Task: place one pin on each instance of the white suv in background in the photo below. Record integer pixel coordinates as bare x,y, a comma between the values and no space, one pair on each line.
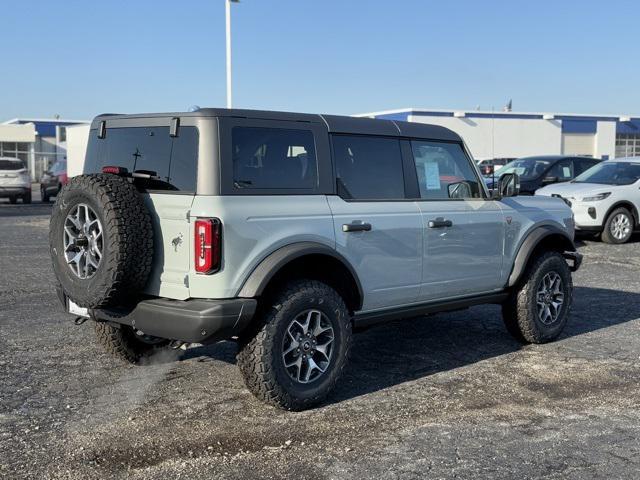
605,198
14,180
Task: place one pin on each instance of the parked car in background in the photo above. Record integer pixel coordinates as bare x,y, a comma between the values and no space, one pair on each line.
605,198
488,165
14,180
537,172
52,180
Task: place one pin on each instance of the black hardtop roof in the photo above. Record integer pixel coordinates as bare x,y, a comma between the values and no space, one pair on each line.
333,123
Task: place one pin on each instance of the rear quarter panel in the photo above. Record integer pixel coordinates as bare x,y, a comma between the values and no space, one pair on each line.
252,228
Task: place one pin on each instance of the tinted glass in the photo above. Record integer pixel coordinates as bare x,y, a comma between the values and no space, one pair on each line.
368,168
150,149
582,165
11,164
273,158
611,173
184,159
444,171
562,170
527,168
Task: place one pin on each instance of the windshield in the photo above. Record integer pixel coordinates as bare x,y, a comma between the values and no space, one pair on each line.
526,168
7,164
611,173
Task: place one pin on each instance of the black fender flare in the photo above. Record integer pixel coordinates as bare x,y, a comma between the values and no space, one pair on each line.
259,278
531,241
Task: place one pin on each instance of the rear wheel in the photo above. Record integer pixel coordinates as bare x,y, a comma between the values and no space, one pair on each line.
43,195
127,344
298,350
13,200
26,198
537,311
618,226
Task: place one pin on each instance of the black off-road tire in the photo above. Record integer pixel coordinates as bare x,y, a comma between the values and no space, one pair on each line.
127,241
260,355
607,235
519,311
26,198
122,342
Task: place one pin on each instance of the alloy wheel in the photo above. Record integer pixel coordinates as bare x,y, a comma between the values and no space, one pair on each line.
308,346
550,298
82,241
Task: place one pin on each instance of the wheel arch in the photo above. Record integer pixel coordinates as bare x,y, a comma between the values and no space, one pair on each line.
545,237
305,260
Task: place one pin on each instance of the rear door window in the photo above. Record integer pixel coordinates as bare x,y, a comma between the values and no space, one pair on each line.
368,168
273,158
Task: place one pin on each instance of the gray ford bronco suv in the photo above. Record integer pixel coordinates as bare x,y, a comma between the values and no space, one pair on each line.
286,232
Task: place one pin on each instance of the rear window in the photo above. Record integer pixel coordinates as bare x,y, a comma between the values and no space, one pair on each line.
151,149
368,168
11,164
280,158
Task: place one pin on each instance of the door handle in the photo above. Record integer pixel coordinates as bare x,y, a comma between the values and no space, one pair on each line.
440,223
356,227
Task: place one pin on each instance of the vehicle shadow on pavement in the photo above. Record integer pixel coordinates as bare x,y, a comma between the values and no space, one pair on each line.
406,350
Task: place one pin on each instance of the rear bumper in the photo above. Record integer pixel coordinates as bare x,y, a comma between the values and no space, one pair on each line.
9,191
193,320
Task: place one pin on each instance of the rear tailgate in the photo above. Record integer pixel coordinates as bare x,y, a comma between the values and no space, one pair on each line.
172,255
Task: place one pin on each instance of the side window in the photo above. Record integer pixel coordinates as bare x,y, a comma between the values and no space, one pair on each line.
582,165
444,171
563,170
273,158
368,168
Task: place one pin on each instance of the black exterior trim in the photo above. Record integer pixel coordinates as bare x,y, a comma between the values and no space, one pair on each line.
194,320
364,320
528,246
257,281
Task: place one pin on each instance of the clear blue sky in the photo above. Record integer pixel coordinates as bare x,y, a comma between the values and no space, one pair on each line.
78,58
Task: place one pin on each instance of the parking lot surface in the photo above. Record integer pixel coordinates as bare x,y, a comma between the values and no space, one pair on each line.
444,396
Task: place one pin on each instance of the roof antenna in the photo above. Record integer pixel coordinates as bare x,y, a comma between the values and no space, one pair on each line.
194,108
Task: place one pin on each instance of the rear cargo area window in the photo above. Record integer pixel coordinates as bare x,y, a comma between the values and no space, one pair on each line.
151,149
266,158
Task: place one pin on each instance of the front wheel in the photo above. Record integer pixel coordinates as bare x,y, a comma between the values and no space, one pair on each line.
618,227
293,357
537,310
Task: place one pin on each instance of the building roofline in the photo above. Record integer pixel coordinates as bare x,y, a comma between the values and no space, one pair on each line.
15,121
470,112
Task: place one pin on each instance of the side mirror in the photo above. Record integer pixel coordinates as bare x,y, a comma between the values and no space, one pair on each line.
459,190
509,185
550,180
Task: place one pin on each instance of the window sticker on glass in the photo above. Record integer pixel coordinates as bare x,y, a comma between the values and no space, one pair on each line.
566,172
432,175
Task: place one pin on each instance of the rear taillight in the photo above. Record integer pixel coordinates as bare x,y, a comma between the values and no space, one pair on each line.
208,245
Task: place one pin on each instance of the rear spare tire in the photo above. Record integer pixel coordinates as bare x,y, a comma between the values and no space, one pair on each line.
101,240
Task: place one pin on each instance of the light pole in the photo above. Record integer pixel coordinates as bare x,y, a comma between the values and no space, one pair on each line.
228,22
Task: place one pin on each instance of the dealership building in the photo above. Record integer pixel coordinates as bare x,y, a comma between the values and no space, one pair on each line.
513,134
37,142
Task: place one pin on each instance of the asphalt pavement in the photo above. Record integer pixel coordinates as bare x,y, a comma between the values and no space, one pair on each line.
445,396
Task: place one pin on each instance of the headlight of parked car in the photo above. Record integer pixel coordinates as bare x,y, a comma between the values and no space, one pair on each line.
595,198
